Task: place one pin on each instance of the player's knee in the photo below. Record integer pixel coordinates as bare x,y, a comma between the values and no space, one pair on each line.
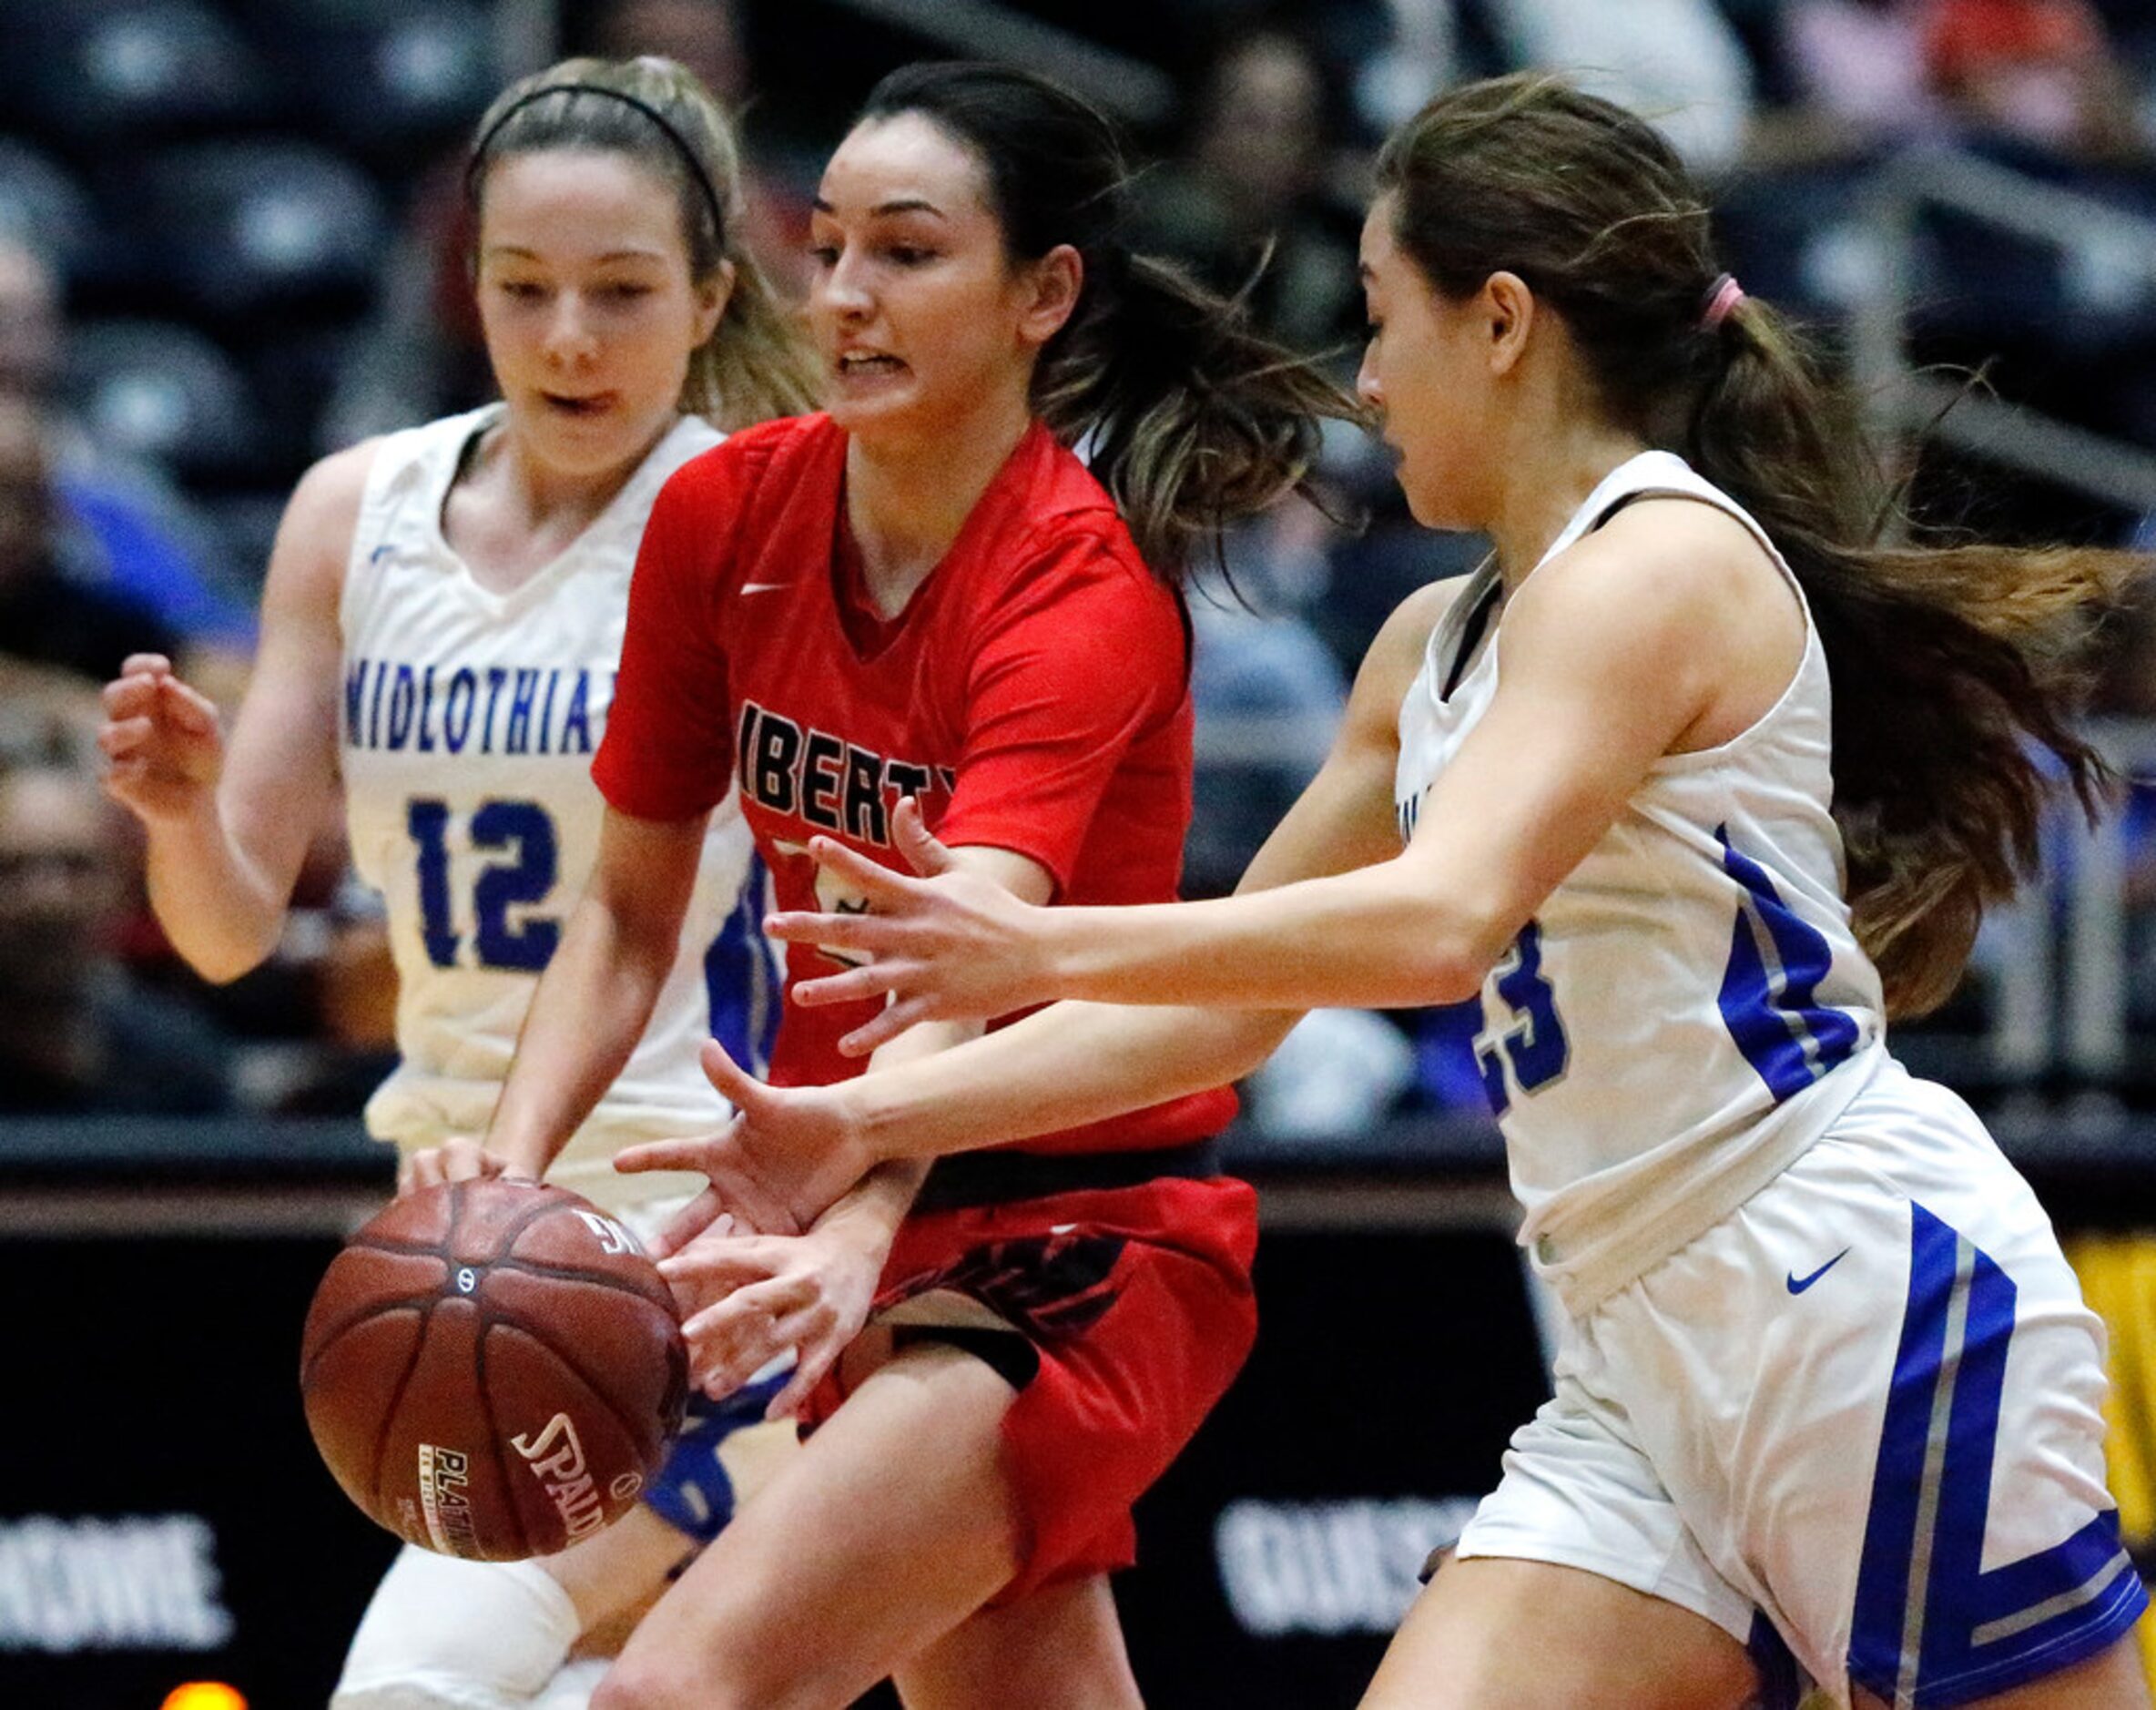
634,1683
445,1634
648,1679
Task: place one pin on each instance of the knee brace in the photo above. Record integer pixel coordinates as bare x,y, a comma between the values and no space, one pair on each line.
447,1635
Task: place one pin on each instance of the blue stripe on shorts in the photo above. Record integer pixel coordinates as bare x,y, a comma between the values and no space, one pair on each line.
1931,1627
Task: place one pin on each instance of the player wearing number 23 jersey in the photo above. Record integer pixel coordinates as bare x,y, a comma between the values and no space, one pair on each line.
469,719
1786,1263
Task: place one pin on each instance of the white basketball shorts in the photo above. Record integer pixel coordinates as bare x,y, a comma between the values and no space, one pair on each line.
1857,1421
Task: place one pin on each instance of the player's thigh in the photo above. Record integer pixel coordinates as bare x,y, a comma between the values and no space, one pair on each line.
1061,1646
1513,1634
893,1523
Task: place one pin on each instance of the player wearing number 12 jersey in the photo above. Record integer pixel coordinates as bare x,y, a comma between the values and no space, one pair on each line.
469,717
442,623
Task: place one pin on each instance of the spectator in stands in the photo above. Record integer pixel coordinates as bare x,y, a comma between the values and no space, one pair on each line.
1247,203
122,528
1859,72
705,35
78,1034
2038,71
51,612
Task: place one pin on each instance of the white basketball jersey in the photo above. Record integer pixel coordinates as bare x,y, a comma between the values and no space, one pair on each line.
469,719
1688,1010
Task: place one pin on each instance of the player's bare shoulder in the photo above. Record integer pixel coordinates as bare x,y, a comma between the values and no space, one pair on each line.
314,537
1395,653
1681,598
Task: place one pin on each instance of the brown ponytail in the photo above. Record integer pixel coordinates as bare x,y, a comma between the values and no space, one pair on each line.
1955,667
1189,418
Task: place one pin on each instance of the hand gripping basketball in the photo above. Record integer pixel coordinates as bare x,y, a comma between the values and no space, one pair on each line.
492,1369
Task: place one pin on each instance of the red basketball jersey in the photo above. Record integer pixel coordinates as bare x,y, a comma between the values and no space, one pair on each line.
1034,695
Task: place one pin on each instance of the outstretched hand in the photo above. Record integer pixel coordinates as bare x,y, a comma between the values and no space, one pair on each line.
786,1156
161,739
946,946
745,1300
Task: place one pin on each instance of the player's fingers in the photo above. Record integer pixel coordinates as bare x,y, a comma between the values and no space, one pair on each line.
755,1304
187,706
838,932
874,881
761,1344
426,1168
735,1083
917,843
852,986
706,1211
886,1025
129,695
815,1358
719,1265
660,1155
737,1338
462,1160
146,663
120,737
406,1180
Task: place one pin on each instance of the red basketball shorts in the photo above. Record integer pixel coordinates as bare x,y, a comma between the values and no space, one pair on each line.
1137,1310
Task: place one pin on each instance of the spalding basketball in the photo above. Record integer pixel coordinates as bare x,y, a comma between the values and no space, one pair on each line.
492,1369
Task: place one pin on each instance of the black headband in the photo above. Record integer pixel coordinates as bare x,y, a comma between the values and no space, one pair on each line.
689,154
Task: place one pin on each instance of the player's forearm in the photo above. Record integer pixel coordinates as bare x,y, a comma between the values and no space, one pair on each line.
874,1208
1070,1064
591,1007
870,1212
222,912
1381,937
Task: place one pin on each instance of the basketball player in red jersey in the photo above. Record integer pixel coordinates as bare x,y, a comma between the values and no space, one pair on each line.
926,593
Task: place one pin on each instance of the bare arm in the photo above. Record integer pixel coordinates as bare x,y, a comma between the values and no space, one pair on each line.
747,1298
228,827
1080,1063
1645,639
600,987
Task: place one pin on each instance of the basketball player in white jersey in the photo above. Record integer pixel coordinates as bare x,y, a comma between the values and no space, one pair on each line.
442,624
1828,1400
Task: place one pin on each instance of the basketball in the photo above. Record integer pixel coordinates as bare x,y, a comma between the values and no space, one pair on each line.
492,1369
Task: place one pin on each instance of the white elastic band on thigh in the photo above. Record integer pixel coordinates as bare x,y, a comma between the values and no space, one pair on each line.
445,1634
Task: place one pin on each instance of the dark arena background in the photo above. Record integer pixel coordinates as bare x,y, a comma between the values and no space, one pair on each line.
229,243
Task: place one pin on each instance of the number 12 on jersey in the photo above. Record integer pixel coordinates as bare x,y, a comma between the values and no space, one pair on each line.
1532,1037
524,834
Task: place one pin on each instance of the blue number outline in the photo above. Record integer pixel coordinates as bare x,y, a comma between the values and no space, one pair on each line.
513,824
1533,1042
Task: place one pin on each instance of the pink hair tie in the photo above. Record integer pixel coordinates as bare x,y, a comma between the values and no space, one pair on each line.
1723,295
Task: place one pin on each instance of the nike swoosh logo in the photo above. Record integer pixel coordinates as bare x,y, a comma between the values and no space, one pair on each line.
763,588
1798,1285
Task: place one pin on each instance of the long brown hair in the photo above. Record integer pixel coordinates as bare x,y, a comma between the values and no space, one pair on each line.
1189,418
756,364
1955,667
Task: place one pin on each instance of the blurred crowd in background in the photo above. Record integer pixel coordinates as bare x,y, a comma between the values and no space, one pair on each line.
232,237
